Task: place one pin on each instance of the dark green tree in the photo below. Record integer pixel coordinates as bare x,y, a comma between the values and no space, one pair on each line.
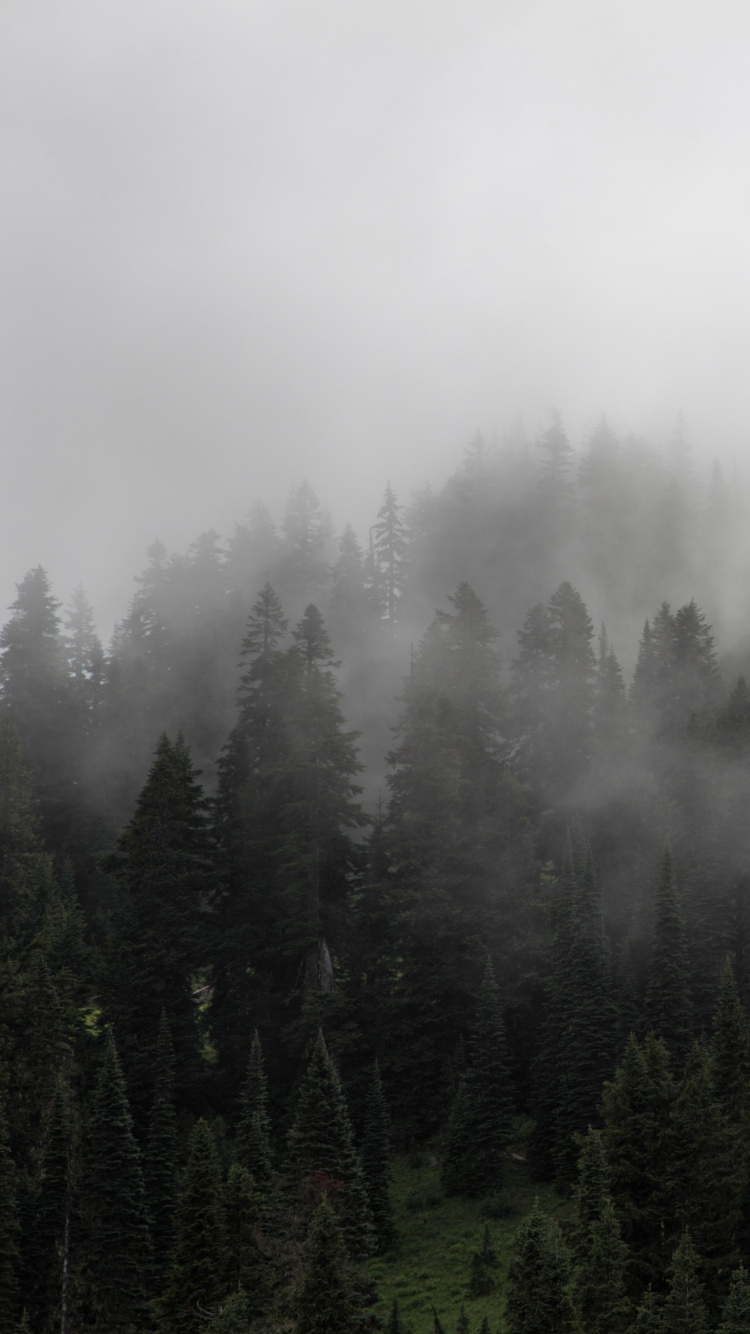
376,1166
9,1231
536,1292
730,1049
324,1303
161,1149
197,1276
163,868
26,879
254,1129
684,1309
668,999
395,1323
735,1315
480,1127
47,1249
117,1247
321,1142
248,1268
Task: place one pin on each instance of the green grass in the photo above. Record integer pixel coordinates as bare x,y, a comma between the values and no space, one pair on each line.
437,1236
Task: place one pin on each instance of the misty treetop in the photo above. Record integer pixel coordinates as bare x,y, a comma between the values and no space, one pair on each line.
344,846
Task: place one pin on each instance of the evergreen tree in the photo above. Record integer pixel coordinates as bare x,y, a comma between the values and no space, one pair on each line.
47,1250
731,1050
161,1148
601,1255
389,546
117,1246
321,1141
26,880
376,1162
9,1231
324,1304
668,1001
537,1299
479,1131
253,1131
395,1324
249,1268
736,1311
197,1277
684,1309
163,868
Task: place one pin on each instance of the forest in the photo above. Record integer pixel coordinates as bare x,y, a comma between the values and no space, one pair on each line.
424,850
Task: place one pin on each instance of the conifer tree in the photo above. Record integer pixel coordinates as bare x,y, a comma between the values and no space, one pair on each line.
9,1230
253,1131
735,1315
395,1324
684,1309
730,1049
668,1000
117,1245
462,1324
321,1141
480,1128
537,1299
26,880
599,1282
197,1274
47,1250
390,553
161,1149
324,1304
163,867
376,1162
248,1267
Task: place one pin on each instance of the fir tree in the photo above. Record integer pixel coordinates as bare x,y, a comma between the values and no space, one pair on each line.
395,1324
253,1131
376,1162
480,1127
197,1275
599,1281
735,1316
684,1310
161,1148
46,1258
248,1268
321,1141
730,1050
9,1231
118,1245
324,1304
537,1299
668,1001
389,547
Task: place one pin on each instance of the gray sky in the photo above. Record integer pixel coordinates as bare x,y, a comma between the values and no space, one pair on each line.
246,243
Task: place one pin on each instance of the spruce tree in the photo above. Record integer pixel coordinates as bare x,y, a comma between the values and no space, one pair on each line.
9,1230
536,1291
479,1133
248,1267
376,1156
163,868
601,1256
668,1001
395,1324
684,1310
117,1246
730,1050
735,1315
197,1272
161,1149
47,1250
324,1304
321,1141
254,1129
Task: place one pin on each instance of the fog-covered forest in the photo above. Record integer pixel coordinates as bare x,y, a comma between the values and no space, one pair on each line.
425,843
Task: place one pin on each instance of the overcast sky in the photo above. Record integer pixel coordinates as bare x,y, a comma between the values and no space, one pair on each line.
246,243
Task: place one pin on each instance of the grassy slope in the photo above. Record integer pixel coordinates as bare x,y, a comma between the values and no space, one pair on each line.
437,1238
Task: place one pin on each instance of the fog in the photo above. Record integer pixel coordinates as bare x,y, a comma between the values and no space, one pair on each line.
248,244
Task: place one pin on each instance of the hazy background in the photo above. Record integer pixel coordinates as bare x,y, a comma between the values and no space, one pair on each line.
246,243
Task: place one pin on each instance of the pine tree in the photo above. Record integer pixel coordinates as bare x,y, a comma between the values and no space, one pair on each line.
26,880
321,1141
480,1128
537,1299
668,1001
161,1148
462,1325
324,1304
395,1324
599,1281
684,1309
254,1129
118,1246
390,549
736,1310
197,1274
730,1049
163,868
638,1138
46,1257
9,1231
376,1162
248,1268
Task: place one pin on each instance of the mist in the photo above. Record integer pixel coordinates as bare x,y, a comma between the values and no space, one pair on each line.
246,247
